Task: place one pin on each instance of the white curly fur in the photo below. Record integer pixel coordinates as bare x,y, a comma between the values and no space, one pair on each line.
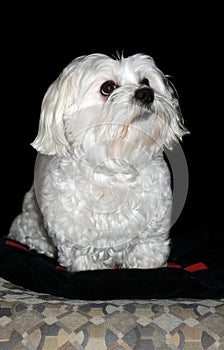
101,194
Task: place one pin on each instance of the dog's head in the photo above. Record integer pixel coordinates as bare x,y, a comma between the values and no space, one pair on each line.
100,98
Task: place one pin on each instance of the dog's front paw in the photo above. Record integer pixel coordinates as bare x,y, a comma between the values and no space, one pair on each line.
80,263
145,256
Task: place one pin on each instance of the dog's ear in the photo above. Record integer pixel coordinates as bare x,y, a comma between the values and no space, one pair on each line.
176,128
59,98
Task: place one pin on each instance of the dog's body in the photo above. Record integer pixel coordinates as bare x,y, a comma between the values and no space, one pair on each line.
101,195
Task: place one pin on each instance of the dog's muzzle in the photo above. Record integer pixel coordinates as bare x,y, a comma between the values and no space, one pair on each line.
144,96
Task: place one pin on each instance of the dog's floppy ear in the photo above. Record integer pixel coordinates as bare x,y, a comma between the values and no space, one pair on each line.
176,129
51,139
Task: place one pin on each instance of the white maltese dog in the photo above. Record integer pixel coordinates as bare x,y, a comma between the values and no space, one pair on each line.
102,196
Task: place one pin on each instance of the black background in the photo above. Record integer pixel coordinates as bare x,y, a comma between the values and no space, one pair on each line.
186,43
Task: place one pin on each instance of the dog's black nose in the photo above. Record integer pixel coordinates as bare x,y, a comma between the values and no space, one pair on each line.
145,95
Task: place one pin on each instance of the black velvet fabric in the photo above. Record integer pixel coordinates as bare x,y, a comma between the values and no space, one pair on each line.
201,247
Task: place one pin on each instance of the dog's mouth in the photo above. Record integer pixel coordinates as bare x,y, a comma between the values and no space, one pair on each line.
124,131
142,116
138,117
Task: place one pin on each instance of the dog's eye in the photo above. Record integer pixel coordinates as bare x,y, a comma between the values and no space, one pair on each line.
144,81
108,87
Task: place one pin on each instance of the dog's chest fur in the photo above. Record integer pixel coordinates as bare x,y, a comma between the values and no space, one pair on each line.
109,206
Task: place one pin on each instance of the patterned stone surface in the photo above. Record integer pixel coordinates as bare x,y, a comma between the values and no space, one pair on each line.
32,321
